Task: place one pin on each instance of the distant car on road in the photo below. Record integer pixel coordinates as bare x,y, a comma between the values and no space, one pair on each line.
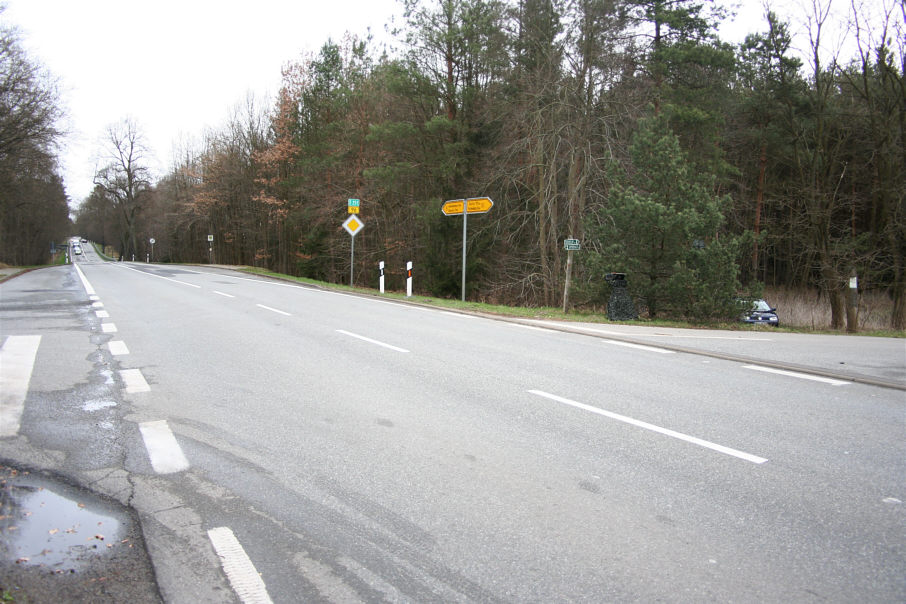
760,313
77,250
84,240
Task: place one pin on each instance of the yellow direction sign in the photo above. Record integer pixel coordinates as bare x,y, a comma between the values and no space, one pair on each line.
475,205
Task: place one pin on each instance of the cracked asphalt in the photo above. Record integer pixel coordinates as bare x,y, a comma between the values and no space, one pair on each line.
59,541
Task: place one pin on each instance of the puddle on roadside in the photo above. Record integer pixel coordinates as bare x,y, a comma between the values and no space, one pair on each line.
46,523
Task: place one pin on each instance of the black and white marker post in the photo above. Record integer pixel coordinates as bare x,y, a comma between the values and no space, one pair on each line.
409,279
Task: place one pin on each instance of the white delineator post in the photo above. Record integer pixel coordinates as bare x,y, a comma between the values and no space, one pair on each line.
381,279
409,279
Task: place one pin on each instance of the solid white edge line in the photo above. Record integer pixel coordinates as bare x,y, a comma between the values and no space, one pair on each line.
639,347
240,571
531,327
651,335
645,425
363,338
164,452
280,312
333,293
801,376
223,294
134,381
88,289
17,361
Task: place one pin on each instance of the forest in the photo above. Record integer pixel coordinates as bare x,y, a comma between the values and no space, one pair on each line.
34,210
703,170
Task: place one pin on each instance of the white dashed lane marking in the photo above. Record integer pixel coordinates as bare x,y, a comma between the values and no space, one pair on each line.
164,452
246,581
645,425
279,312
117,347
134,381
370,341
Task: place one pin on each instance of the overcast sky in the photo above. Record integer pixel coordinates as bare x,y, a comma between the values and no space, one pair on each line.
178,67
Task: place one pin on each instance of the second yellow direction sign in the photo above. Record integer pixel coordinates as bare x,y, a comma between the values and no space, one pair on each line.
476,205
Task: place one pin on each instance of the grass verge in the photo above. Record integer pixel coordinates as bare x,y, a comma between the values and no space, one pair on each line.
556,314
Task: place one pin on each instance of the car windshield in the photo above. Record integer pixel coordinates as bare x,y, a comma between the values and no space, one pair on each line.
761,305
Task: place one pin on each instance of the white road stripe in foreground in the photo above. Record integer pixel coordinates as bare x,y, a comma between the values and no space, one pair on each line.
134,381
802,376
164,452
223,294
653,428
279,312
17,359
363,338
246,581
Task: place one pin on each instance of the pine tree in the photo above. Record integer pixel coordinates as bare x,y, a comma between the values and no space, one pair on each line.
662,227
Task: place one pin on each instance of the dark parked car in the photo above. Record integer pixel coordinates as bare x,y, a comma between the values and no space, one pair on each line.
760,313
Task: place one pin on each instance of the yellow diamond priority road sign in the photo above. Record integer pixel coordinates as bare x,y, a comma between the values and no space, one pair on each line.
475,205
353,225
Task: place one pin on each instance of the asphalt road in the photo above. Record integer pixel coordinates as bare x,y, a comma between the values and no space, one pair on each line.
285,442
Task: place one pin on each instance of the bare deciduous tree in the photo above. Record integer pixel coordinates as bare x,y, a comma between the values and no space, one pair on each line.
125,178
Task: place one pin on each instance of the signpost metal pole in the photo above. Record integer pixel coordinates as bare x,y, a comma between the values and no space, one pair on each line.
465,222
569,269
474,205
353,226
569,245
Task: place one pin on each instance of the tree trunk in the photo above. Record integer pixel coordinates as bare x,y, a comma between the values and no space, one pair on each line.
852,305
759,203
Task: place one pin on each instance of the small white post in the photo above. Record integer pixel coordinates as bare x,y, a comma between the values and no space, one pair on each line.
409,279
381,267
